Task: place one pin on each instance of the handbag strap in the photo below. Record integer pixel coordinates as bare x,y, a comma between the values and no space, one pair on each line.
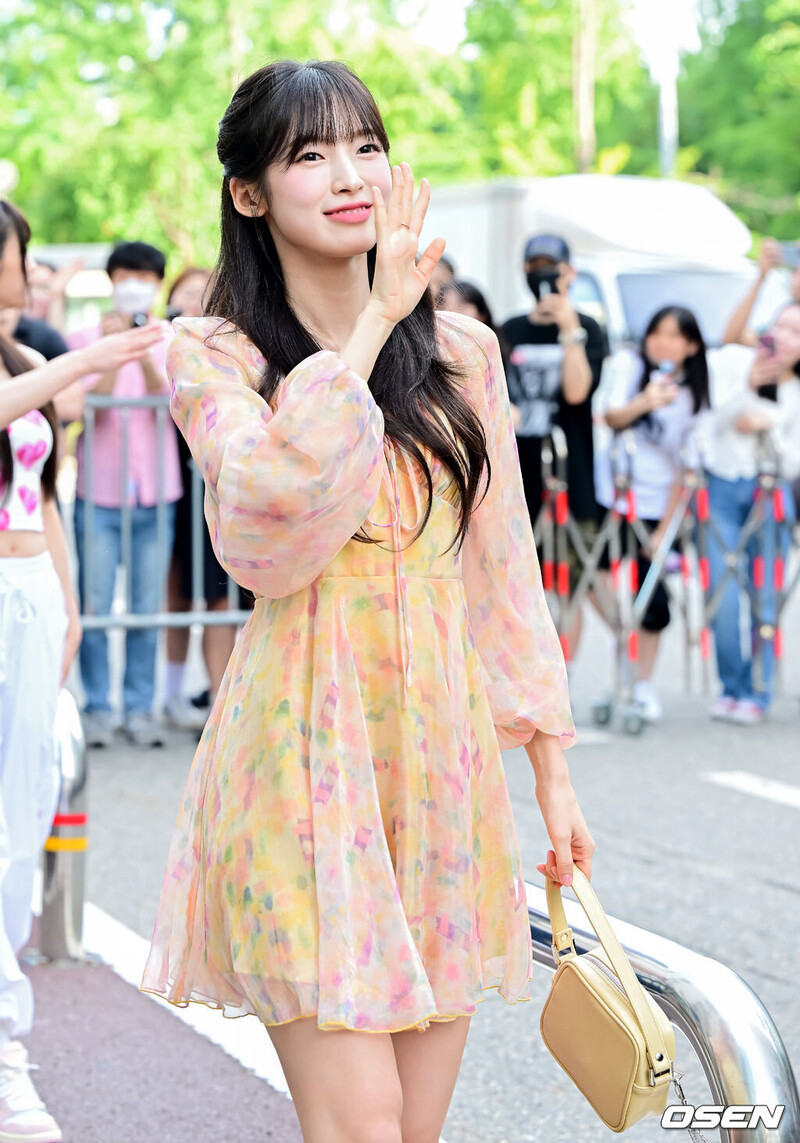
563,944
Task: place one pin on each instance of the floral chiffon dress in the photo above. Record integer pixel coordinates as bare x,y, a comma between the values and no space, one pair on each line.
345,848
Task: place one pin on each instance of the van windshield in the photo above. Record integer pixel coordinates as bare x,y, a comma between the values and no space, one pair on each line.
711,296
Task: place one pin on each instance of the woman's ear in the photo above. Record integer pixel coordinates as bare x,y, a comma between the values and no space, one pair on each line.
246,199
693,349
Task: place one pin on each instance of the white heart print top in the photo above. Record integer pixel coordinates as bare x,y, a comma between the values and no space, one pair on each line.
31,444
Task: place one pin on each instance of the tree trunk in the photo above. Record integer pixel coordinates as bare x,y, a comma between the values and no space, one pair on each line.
584,48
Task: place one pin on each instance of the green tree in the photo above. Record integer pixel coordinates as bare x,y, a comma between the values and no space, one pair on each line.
740,110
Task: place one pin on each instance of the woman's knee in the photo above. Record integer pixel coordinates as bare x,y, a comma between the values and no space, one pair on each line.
376,1125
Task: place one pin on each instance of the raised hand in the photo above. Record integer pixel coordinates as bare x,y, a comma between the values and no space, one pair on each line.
400,280
116,350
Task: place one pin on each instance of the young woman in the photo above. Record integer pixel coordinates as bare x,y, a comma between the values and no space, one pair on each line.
345,864
186,300
756,397
39,634
658,394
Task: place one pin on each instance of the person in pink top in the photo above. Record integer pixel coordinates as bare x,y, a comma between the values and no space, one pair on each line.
152,473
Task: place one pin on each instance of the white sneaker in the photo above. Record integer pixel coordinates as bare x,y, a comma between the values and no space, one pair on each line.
646,696
23,1116
143,730
98,728
748,713
724,709
182,714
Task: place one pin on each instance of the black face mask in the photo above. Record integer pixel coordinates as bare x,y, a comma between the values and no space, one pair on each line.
536,279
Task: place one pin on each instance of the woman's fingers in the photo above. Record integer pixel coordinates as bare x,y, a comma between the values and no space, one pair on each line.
379,211
421,206
408,194
428,261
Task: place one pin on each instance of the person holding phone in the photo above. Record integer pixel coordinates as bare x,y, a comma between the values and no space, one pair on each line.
555,360
755,402
773,255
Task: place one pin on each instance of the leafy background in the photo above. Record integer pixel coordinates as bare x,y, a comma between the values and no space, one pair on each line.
109,109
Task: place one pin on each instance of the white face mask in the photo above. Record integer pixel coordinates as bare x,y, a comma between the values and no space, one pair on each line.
132,296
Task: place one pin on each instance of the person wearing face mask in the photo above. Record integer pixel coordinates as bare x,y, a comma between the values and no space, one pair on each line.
136,271
555,360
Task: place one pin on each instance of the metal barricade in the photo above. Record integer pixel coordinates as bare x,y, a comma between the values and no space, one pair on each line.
730,1030
128,619
64,857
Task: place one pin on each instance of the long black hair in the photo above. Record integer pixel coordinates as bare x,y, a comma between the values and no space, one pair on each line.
273,117
15,363
695,367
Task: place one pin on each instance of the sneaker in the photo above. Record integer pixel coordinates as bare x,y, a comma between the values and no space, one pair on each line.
143,730
646,697
724,709
23,1116
748,713
182,714
98,728
202,700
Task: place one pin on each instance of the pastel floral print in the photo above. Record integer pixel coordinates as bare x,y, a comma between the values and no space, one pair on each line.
345,848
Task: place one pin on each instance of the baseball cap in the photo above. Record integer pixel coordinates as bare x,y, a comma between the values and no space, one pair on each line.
546,246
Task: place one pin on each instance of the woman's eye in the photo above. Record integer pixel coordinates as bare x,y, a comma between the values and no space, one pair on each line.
369,147
310,155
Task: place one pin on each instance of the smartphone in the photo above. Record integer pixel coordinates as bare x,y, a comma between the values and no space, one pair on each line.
791,254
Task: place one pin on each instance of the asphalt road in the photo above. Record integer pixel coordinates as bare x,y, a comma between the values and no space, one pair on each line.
713,868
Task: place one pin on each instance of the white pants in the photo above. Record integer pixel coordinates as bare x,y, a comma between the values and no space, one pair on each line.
33,624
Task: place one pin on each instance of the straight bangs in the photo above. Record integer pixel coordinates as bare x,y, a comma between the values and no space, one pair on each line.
324,104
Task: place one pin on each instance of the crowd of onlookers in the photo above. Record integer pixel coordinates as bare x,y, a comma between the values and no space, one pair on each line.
672,393
667,391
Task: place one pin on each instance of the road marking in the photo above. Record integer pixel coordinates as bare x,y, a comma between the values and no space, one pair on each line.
758,787
244,1038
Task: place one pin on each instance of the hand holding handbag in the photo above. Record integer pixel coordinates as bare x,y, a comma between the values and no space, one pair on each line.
602,1028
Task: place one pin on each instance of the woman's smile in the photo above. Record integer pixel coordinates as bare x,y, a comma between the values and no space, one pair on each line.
355,212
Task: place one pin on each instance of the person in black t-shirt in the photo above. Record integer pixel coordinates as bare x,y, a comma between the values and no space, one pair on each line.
555,359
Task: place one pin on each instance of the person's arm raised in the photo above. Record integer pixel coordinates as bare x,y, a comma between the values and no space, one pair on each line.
399,280
19,395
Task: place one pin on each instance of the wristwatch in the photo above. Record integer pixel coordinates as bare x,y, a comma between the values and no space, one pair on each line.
578,336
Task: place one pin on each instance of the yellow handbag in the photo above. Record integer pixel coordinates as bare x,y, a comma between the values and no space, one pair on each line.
599,1024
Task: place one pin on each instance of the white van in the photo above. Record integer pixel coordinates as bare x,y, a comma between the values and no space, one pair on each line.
637,244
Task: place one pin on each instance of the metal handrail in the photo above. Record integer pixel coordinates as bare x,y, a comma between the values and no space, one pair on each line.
736,1041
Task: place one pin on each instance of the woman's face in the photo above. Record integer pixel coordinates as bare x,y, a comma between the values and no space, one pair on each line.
786,331
322,203
667,343
188,296
12,279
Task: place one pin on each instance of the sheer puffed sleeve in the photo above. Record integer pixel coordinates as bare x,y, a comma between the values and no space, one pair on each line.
516,640
285,488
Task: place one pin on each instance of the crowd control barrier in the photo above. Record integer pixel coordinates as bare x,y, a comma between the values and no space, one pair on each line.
126,617
64,858
730,1030
680,561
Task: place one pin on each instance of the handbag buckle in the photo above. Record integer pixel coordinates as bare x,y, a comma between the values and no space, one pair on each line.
563,944
663,1074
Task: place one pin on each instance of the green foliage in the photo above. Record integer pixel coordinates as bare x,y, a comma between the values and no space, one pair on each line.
740,100
110,107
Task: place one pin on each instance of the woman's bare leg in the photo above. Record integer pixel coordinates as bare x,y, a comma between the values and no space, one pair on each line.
428,1063
217,647
344,1085
177,637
